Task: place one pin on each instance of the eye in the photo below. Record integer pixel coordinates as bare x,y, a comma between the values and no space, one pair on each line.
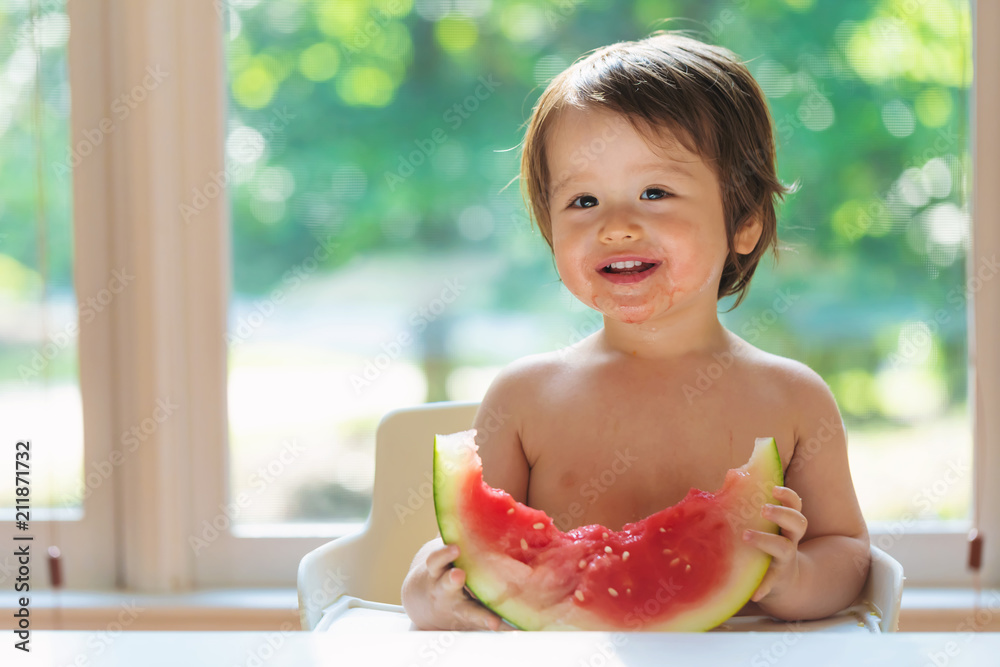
654,193
584,201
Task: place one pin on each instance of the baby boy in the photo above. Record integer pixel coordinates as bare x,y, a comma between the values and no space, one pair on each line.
649,167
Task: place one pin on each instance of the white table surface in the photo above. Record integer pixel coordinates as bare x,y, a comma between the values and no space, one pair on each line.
423,649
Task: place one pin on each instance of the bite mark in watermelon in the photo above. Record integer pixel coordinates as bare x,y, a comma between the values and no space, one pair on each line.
684,568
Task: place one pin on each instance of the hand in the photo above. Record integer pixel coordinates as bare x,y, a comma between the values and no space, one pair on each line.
783,574
435,599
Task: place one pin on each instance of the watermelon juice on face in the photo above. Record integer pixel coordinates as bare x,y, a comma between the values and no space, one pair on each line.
649,169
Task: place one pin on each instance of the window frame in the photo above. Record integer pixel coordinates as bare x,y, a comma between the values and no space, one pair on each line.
88,542
126,213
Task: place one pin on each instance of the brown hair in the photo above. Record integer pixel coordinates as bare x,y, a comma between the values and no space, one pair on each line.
702,94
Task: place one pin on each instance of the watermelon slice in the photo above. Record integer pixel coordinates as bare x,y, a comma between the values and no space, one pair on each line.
684,568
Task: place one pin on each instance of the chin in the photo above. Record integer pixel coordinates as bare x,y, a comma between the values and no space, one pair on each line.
629,316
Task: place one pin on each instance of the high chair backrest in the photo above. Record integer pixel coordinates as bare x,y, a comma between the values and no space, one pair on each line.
372,563
884,589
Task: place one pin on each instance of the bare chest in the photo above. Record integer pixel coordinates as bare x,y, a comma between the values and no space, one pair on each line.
616,451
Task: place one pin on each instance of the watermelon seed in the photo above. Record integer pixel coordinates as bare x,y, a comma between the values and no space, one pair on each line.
605,535
662,529
607,550
510,511
667,552
687,568
675,561
628,591
579,595
524,544
625,556
539,525
613,592
582,563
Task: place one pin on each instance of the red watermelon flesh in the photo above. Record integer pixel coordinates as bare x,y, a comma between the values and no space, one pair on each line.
684,568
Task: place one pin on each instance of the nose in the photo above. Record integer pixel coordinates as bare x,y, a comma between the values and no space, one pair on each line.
619,226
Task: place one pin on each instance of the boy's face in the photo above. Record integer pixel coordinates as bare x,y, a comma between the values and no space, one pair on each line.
613,197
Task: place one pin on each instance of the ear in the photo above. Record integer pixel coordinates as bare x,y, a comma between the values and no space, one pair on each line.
747,236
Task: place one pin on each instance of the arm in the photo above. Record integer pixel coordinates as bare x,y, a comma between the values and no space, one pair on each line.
433,592
821,559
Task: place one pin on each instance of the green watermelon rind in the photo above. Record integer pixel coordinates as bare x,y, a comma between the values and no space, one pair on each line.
765,461
451,533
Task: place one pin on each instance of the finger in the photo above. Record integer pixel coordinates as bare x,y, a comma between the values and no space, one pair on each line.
778,546
454,579
439,559
765,587
787,497
793,523
474,615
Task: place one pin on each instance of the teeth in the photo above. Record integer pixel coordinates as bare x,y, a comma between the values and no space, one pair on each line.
625,265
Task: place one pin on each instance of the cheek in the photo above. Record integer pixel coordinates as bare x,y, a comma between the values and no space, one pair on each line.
566,250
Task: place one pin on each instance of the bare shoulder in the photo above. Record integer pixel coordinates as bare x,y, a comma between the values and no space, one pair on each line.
799,387
512,397
524,379
789,372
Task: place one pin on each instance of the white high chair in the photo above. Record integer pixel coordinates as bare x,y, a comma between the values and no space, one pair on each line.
363,572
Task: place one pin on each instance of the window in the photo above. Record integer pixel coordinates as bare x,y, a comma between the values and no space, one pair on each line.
379,125
39,352
46,316
343,141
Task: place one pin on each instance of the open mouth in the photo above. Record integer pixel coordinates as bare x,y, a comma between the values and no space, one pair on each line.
629,267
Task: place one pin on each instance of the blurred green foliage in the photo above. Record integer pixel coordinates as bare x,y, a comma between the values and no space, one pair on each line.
394,126
397,139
